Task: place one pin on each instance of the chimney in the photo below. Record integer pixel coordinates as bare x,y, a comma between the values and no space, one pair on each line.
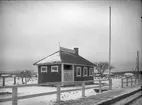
76,51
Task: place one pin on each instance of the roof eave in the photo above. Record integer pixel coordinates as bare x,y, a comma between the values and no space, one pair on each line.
48,63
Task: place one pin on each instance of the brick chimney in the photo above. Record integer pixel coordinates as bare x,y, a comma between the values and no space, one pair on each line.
76,51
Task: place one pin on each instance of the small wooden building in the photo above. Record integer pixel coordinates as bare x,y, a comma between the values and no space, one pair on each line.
65,65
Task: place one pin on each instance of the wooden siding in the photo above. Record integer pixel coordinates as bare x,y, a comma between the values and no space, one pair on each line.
82,78
49,76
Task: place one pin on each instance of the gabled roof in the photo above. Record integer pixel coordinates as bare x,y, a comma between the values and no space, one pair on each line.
64,55
53,58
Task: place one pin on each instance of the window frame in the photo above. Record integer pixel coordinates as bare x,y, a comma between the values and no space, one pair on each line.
91,71
78,68
54,70
41,69
85,68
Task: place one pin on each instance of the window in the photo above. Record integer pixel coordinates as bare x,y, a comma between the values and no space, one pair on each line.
78,71
85,71
90,71
43,69
54,68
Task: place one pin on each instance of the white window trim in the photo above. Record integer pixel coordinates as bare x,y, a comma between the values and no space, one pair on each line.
85,75
90,70
42,70
77,72
54,70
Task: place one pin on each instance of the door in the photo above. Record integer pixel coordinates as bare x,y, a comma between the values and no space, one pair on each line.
68,73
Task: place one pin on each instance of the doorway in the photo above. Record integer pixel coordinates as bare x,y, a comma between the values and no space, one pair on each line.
68,73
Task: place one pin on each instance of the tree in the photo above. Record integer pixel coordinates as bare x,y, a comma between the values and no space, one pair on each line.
26,74
102,66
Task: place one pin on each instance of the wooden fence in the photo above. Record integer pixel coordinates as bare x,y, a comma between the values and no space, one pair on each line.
15,97
129,81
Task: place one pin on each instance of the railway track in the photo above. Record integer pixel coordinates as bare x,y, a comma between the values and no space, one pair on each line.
125,99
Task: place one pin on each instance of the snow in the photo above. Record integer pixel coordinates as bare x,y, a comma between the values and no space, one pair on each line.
128,74
5,75
52,58
48,99
116,83
10,81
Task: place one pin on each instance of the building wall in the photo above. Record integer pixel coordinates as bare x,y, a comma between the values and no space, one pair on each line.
56,76
82,78
49,76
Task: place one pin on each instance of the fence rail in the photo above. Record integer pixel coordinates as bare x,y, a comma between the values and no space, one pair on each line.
129,81
15,97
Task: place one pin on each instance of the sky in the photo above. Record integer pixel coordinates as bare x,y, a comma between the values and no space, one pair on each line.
31,30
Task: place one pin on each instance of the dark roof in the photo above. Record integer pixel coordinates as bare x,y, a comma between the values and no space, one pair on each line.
73,58
64,56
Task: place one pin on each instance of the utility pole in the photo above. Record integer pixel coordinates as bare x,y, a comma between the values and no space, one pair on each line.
110,48
137,65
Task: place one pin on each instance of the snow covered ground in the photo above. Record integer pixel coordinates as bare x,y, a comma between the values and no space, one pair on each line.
10,81
116,83
48,99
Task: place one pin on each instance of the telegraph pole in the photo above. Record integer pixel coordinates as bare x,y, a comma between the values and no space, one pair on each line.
110,48
137,65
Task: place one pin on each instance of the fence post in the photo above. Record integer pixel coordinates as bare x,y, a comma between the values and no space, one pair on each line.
131,81
139,81
58,92
110,84
100,86
127,81
22,80
83,89
14,95
3,78
135,80
14,79
121,82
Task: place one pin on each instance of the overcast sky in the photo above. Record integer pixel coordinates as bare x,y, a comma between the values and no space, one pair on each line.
31,30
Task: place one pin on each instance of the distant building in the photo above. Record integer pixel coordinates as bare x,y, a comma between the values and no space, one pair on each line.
128,74
123,73
65,65
97,75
